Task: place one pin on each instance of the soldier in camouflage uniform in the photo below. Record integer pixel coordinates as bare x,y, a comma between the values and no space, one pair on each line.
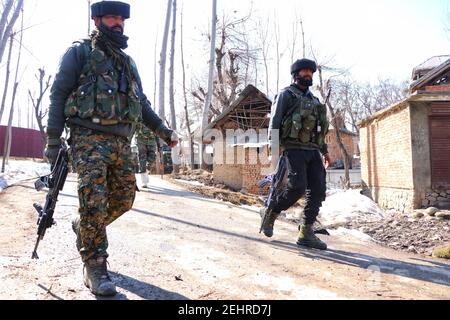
98,94
146,142
302,122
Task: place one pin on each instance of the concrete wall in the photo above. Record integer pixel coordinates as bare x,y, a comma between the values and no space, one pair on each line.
386,160
334,178
421,159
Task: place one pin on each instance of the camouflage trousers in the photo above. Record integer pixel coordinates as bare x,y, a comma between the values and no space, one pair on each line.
106,185
147,157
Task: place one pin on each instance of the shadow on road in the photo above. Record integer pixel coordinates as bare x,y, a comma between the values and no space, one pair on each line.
141,289
438,274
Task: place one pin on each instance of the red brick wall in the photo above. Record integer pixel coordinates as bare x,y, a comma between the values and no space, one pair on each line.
333,147
386,154
243,174
445,87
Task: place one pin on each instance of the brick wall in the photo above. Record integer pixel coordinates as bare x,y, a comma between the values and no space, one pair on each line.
333,147
386,159
246,171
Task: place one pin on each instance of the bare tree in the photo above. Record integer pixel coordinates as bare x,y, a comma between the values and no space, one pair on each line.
155,71
39,111
324,89
234,61
173,118
8,136
7,22
186,112
209,94
8,72
277,46
162,62
264,40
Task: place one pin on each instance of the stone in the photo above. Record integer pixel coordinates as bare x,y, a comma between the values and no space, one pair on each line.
418,214
448,192
434,195
441,199
425,203
432,199
431,211
433,203
444,204
443,194
412,249
442,215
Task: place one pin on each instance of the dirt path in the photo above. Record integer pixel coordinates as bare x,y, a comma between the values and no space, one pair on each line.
178,245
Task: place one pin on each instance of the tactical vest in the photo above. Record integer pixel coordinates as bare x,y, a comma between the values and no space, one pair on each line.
305,121
98,96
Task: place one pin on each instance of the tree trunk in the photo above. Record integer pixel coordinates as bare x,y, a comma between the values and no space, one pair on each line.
277,45
162,70
8,29
208,99
4,19
188,123
173,119
8,72
8,136
323,88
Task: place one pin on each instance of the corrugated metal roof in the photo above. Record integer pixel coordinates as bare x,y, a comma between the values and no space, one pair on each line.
425,67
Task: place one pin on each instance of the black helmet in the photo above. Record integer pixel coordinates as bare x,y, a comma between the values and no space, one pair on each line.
303,64
115,8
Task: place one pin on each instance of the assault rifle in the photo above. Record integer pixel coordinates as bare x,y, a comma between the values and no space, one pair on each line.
55,183
276,188
276,183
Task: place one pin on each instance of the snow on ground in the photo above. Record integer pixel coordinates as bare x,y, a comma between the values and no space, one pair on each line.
194,183
19,170
350,233
344,206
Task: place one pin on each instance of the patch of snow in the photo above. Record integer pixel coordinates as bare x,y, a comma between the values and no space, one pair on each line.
19,170
343,206
194,183
345,233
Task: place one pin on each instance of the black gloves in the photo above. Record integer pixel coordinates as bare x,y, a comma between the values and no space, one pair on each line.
52,150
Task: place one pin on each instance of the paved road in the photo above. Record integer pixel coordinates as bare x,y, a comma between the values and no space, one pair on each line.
179,245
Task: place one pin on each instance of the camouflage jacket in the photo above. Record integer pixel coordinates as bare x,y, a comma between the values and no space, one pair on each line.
144,135
67,81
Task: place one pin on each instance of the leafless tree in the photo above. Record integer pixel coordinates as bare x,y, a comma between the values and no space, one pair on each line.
209,93
39,111
234,61
8,136
11,11
186,111
162,62
8,73
277,46
173,118
264,41
324,87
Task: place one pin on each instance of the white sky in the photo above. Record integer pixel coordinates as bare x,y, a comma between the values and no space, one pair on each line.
375,39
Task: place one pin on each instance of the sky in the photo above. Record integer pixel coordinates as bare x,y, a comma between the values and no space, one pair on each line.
372,39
